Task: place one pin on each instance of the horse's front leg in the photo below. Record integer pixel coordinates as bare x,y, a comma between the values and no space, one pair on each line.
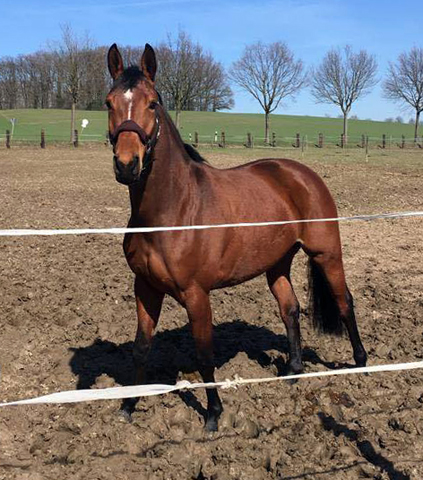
149,303
200,317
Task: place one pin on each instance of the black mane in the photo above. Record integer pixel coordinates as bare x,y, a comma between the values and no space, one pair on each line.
193,154
189,149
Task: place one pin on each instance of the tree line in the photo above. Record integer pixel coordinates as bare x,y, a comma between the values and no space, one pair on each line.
72,73
270,73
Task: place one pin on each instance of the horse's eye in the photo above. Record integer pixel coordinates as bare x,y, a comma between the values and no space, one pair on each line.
152,105
108,105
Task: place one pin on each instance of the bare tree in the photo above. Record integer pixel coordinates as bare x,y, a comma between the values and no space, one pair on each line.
404,82
212,91
131,54
189,78
176,74
71,64
36,79
269,73
342,78
8,83
95,80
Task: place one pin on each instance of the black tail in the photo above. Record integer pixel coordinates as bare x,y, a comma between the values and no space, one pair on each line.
322,307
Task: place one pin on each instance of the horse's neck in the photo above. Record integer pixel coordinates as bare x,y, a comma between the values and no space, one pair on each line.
167,183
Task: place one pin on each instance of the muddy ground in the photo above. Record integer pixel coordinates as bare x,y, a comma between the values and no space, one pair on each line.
68,318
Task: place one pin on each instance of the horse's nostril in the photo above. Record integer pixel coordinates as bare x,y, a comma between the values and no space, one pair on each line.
135,163
118,165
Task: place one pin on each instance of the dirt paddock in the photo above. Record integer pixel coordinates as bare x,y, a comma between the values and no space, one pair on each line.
68,318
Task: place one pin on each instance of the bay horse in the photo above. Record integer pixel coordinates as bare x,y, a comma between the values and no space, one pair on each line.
170,185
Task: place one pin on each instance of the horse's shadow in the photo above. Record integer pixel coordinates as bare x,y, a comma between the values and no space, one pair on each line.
173,354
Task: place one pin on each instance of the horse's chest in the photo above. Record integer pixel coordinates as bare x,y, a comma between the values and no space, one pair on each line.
143,260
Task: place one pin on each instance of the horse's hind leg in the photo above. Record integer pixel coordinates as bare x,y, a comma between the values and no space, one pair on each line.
334,302
280,285
149,302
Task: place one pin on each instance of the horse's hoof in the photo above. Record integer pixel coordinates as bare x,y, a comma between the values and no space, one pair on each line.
211,425
127,408
293,371
125,416
360,359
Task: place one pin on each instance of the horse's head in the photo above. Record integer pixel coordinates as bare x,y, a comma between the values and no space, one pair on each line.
133,120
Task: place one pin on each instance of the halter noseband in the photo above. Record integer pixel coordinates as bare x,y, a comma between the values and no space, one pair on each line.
129,126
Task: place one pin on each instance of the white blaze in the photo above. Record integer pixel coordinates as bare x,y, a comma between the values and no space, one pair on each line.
128,95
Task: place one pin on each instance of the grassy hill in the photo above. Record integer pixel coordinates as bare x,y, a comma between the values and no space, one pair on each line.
57,126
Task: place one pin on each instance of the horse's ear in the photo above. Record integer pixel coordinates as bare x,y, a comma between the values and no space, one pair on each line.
115,62
148,62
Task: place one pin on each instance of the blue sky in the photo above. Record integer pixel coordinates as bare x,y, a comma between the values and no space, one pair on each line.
310,28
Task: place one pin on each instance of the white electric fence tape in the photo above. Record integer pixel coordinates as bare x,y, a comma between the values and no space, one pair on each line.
114,393
96,231
148,390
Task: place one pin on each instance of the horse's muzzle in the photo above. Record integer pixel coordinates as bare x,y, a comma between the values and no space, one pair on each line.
126,173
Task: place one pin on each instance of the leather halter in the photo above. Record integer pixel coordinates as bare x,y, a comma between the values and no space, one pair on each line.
148,141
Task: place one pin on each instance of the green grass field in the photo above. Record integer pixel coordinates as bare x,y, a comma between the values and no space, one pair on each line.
56,124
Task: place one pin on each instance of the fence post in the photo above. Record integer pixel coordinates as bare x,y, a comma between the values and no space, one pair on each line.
367,145
43,139
297,141
320,140
383,141
195,139
248,144
273,139
222,140
342,140
7,138
75,138
402,141
363,141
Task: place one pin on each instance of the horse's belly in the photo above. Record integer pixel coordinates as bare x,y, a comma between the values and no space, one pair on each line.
208,258
248,259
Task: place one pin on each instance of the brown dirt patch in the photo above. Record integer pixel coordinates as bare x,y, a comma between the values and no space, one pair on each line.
68,319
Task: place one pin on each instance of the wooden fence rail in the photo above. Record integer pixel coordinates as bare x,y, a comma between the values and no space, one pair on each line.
223,140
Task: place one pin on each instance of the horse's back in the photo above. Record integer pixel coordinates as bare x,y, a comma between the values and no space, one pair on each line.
292,185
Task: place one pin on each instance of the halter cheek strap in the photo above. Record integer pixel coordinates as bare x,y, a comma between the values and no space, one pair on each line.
151,143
